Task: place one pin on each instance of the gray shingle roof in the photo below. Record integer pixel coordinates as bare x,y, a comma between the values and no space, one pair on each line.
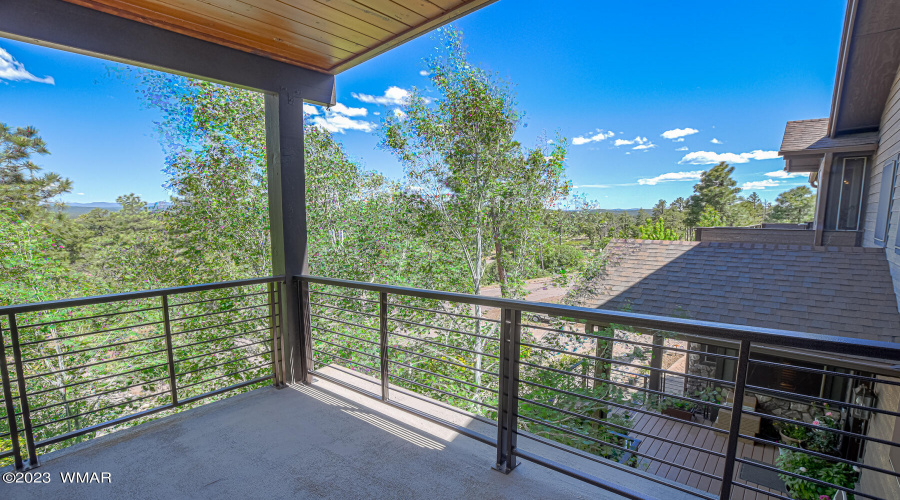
845,291
811,135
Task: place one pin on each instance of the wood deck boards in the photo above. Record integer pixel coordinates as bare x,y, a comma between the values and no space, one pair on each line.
685,463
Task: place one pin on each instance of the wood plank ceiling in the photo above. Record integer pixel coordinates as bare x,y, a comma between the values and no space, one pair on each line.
324,35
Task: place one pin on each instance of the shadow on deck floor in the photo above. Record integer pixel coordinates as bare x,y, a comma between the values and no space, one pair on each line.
319,441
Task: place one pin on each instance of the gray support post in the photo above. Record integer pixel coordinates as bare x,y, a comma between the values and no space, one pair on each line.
383,340
507,421
10,406
170,355
656,356
287,220
33,460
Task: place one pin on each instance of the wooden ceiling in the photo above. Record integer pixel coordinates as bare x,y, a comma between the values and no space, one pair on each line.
324,35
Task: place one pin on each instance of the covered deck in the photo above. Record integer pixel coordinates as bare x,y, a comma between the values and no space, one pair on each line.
316,441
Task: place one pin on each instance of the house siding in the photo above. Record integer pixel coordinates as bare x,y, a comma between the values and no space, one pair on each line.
888,148
878,455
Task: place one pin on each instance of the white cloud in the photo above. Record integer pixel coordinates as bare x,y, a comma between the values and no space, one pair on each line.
424,73
680,139
599,136
80,194
676,133
310,109
344,110
781,174
13,70
671,176
645,146
340,118
338,124
709,158
393,96
399,113
715,141
760,185
636,140
597,186
682,148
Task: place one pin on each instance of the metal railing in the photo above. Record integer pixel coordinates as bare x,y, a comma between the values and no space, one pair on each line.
83,365
553,374
584,381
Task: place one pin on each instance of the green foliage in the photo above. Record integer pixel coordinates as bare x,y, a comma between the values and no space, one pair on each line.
656,231
560,257
803,464
796,206
22,189
717,191
710,218
476,187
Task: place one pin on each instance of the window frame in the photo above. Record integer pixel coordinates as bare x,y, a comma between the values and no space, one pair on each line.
840,190
892,165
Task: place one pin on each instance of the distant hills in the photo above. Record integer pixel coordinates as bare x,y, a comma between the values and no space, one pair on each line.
75,209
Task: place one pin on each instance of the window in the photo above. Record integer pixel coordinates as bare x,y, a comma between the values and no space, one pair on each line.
886,202
853,173
845,194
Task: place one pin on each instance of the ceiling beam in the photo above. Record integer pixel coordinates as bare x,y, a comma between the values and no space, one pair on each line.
62,25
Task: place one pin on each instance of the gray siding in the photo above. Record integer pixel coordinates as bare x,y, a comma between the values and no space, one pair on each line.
888,148
878,455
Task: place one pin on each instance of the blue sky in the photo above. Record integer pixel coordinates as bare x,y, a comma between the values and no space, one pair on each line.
648,93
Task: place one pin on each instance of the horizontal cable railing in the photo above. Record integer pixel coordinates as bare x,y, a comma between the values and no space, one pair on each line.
73,369
714,410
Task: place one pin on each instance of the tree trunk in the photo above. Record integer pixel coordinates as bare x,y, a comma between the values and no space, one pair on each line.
501,272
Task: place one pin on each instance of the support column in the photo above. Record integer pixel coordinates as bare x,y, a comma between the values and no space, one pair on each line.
287,219
822,198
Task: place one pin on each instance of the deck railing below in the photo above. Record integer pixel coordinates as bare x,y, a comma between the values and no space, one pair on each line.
597,384
74,368
615,388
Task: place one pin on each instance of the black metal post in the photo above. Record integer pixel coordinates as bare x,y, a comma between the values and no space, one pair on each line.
33,460
734,430
656,356
279,343
273,332
170,353
10,408
507,423
383,330
306,357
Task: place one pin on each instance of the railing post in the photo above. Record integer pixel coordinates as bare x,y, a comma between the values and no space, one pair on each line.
306,359
10,408
740,382
173,387
383,330
274,326
282,300
656,356
507,422
33,460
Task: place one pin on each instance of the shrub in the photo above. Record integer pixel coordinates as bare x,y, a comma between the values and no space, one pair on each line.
838,473
558,257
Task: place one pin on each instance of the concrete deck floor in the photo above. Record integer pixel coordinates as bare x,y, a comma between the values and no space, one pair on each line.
319,441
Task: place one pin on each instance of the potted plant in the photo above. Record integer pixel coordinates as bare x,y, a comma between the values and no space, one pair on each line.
678,408
802,464
792,434
820,438
711,394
